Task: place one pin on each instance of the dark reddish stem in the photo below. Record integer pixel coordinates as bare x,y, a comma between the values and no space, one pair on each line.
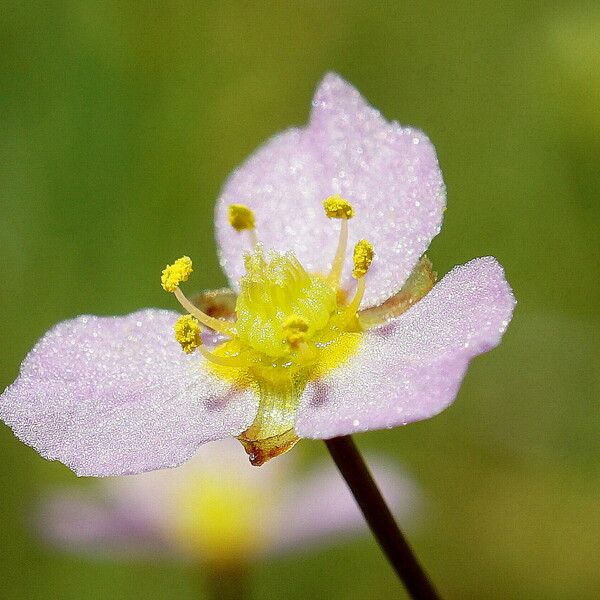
377,514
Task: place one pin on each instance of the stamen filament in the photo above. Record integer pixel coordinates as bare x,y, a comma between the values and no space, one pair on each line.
223,361
253,237
307,354
216,324
362,259
338,262
358,296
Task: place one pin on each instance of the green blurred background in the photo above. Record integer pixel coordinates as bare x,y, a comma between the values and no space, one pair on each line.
119,122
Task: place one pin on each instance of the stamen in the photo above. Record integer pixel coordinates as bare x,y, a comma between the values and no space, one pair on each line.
295,328
362,258
179,272
337,207
241,218
176,273
224,361
187,333
358,296
216,324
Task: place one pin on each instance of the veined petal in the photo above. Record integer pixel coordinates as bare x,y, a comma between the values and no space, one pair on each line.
410,368
116,395
389,173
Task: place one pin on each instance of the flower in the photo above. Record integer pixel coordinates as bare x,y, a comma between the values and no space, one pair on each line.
313,345
213,509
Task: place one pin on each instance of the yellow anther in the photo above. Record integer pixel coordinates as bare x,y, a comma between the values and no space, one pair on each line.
338,208
187,333
241,217
295,328
363,257
176,273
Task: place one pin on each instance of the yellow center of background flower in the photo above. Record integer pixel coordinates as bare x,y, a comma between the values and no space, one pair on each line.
217,518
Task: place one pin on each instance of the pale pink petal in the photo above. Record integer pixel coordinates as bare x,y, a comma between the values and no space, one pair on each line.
81,521
411,368
319,508
390,173
116,395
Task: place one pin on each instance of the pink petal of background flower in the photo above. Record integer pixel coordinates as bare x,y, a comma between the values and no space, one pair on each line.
320,507
86,522
390,174
116,395
134,516
410,368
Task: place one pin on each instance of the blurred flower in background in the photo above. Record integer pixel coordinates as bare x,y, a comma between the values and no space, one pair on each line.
215,510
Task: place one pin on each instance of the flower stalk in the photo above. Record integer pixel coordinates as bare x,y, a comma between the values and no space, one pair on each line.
354,470
227,583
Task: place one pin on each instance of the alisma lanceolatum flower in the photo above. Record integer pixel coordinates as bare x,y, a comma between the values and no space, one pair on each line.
214,509
307,343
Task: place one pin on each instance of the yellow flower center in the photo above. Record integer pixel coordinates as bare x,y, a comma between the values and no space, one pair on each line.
217,517
277,296
291,327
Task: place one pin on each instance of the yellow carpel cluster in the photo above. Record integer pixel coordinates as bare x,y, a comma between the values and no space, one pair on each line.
337,207
176,273
275,287
363,257
187,333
